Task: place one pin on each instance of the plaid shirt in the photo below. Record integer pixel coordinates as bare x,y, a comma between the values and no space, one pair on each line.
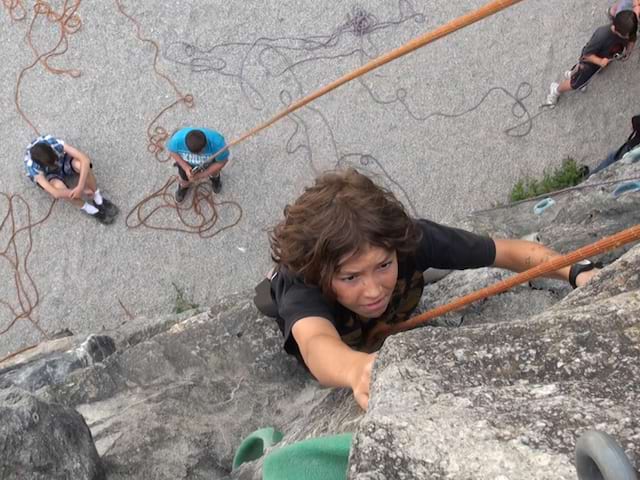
32,169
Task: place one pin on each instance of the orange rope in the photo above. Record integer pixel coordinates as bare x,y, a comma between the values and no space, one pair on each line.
26,291
198,217
487,10
157,135
601,246
15,9
69,23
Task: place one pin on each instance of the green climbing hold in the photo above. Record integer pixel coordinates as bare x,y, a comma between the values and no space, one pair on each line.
254,445
323,458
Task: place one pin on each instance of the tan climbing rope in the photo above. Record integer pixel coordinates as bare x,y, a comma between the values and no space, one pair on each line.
459,23
158,135
601,246
19,239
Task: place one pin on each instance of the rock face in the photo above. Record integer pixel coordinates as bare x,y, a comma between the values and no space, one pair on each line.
508,393
508,398
499,390
54,368
42,441
178,404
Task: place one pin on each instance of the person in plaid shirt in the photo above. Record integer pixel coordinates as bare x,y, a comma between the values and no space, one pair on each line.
50,163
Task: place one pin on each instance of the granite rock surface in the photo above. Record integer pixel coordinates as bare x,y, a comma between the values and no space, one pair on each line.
499,390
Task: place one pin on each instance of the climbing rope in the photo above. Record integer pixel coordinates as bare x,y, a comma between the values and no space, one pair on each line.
68,23
15,9
602,246
202,206
157,135
19,239
359,22
16,255
463,21
199,217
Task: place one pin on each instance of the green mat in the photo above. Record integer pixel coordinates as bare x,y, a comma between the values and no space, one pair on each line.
254,445
323,458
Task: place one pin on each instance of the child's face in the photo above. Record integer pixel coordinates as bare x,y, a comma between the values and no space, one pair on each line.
364,283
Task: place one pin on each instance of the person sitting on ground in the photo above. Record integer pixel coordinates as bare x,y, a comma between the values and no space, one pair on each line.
607,42
51,164
194,148
349,257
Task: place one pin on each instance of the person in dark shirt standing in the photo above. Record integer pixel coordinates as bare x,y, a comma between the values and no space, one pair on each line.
607,42
348,258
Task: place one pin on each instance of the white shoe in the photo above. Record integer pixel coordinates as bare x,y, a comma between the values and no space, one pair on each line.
554,94
568,74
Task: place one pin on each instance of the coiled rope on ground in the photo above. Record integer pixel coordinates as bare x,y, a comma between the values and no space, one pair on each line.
20,238
27,297
15,9
198,217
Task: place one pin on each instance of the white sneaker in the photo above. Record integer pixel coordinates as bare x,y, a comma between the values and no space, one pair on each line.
568,74
554,94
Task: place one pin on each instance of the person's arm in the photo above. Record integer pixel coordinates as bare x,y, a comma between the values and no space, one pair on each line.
630,46
84,169
183,165
521,255
595,59
330,360
56,193
212,170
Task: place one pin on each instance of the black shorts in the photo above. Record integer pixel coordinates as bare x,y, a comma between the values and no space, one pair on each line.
582,73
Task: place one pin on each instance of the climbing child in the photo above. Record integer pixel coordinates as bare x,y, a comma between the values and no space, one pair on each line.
349,258
607,42
193,148
52,164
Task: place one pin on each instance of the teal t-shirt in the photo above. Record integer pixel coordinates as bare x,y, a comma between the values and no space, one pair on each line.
215,141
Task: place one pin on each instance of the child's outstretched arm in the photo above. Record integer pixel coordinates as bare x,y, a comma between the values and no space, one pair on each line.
521,255
84,169
332,362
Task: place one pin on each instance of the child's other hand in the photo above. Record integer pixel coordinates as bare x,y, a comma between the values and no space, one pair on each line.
585,277
76,192
189,173
604,62
361,380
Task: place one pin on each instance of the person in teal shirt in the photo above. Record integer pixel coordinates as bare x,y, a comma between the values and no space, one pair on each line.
195,147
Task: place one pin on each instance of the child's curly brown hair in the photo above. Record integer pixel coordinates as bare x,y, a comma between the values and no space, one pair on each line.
340,215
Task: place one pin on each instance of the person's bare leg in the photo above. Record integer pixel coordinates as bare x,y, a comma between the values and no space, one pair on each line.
59,185
564,86
91,184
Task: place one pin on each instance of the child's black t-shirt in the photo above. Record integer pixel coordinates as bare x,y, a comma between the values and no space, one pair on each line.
440,247
604,43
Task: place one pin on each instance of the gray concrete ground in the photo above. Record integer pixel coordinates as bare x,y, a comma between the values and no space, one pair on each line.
443,166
